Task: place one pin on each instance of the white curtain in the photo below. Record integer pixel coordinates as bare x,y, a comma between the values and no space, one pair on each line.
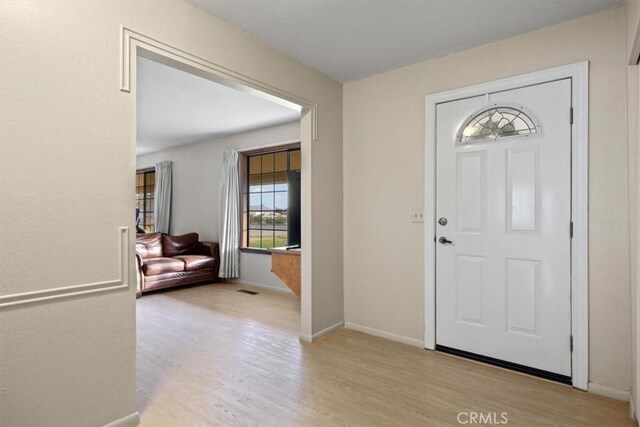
162,203
229,194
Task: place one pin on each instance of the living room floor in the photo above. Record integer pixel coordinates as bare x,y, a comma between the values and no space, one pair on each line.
210,356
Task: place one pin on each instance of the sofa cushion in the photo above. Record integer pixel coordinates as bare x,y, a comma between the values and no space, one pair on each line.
197,262
179,245
149,245
154,266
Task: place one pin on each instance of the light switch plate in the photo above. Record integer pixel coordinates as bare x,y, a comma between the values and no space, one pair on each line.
417,215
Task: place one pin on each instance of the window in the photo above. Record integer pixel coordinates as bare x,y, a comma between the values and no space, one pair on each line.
271,198
498,122
145,193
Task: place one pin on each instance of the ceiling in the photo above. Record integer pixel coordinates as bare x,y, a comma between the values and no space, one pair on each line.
176,108
351,39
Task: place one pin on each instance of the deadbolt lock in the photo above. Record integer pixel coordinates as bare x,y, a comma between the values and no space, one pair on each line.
442,221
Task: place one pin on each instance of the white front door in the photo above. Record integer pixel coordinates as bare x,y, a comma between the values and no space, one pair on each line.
503,249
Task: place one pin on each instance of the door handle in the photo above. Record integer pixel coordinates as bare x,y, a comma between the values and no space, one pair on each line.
443,240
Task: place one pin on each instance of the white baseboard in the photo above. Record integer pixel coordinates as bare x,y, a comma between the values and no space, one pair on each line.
128,421
305,337
259,285
384,334
326,331
606,391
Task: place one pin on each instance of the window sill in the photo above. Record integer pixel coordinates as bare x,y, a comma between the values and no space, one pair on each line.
255,251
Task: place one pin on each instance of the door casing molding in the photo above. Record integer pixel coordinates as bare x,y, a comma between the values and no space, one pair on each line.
579,75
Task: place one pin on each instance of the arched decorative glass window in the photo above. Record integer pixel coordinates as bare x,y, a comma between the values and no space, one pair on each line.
498,121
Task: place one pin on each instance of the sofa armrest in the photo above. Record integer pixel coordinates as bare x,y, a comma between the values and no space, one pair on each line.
211,249
139,275
208,248
139,260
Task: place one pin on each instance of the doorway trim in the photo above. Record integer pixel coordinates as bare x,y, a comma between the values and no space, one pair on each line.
579,75
133,43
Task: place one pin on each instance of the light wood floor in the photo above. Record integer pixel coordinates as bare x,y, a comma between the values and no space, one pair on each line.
211,356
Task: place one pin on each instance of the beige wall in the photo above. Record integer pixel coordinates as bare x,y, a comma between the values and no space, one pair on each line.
196,174
384,137
67,162
632,11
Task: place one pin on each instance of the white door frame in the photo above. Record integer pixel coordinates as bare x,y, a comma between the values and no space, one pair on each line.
579,75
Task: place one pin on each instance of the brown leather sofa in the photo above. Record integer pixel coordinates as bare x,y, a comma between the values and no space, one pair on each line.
166,261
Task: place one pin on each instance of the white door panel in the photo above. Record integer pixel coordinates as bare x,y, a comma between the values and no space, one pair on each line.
503,285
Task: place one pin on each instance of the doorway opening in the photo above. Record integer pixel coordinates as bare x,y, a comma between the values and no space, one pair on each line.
135,44
187,199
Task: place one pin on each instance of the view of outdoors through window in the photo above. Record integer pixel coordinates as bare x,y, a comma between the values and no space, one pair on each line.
266,196
145,189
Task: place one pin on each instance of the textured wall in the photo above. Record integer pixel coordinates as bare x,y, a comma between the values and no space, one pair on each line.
632,11
67,162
